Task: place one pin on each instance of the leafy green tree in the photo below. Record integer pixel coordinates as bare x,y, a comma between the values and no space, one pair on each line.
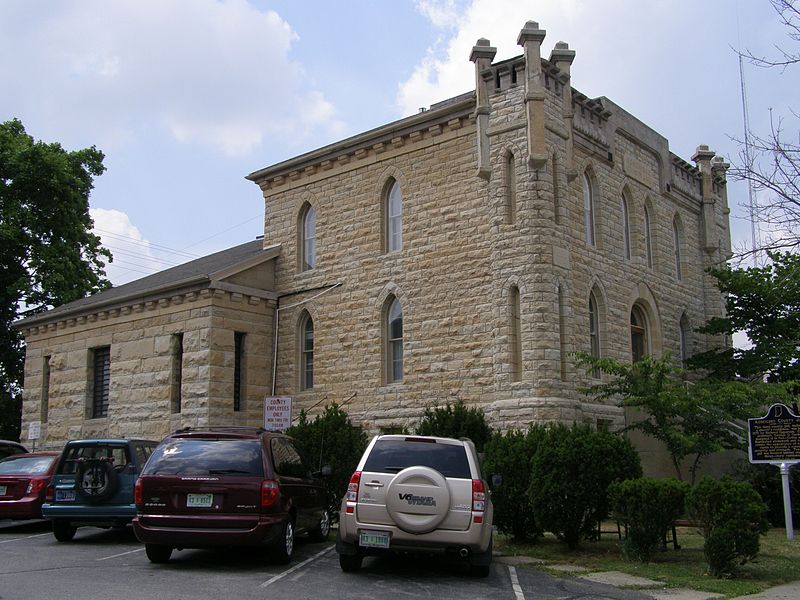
691,420
331,440
456,421
48,255
764,302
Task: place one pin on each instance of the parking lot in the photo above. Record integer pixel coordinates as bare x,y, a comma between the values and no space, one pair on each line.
111,564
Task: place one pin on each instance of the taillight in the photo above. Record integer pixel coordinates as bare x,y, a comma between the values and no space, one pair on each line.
352,492
478,500
50,493
35,486
270,492
137,493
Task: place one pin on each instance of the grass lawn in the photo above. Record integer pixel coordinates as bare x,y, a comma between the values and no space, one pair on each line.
777,563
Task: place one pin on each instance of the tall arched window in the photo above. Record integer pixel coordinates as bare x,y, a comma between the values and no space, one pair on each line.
676,240
685,331
308,246
394,342
306,352
588,210
626,230
648,239
594,331
511,187
556,191
562,333
394,218
639,340
516,335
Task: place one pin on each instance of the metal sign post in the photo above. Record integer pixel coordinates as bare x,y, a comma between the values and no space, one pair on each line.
775,439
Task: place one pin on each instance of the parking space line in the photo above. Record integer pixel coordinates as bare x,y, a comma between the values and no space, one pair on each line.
296,567
27,537
512,572
120,554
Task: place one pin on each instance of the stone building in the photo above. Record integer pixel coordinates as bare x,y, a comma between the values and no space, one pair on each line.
462,253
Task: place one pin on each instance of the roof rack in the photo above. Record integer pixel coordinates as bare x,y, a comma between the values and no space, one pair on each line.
231,428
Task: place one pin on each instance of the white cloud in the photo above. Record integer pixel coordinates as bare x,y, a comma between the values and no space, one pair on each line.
133,255
213,72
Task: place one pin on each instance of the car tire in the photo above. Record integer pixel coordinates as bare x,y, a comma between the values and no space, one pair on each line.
63,531
158,553
96,480
284,548
323,528
350,563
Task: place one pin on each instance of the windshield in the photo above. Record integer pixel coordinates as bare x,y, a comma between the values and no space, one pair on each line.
27,465
195,456
392,456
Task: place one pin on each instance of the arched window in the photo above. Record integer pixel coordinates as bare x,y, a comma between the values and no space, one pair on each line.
685,331
648,239
516,335
562,333
639,340
394,342
556,191
588,209
594,331
308,246
511,187
626,230
676,239
306,352
394,218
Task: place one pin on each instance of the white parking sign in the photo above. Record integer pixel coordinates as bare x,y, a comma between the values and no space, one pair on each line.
277,413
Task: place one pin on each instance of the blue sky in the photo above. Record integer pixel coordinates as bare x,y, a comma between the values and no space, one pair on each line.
186,97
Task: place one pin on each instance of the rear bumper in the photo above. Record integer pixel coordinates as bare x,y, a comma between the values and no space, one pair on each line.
204,532
90,514
24,508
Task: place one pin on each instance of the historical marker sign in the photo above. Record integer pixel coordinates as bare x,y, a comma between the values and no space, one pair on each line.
775,438
277,413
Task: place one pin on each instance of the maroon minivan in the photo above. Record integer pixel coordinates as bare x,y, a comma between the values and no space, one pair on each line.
228,486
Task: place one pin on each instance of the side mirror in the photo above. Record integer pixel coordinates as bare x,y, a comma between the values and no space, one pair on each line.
326,471
495,480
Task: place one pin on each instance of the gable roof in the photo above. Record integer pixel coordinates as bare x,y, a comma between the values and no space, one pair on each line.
193,274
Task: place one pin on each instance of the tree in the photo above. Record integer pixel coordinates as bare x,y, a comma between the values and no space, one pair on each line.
764,302
48,255
771,162
456,421
691,420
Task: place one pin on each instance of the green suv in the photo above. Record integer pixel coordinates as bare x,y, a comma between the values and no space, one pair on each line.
93,484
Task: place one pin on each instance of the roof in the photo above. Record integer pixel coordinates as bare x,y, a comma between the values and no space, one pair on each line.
193,273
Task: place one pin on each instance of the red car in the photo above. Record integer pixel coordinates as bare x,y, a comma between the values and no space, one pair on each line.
23,482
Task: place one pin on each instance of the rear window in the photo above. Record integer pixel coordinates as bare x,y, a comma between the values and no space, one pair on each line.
194,456
27,465
392,456
116,455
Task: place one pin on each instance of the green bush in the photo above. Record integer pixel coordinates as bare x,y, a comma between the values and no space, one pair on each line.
646,507
510,455
731,516
571,472
330,439
767,481
456,421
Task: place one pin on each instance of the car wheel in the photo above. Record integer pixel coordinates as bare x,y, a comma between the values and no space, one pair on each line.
96,480
323,528
63,531
157,553
282,553
350,563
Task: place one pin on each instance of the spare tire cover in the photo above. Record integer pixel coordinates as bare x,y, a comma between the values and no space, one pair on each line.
418,499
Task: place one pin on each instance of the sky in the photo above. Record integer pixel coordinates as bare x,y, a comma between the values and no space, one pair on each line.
186,97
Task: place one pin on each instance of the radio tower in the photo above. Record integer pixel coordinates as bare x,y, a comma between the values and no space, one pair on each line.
754,229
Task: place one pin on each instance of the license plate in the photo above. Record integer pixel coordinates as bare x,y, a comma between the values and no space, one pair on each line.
3,490
374,539
65,495
199,500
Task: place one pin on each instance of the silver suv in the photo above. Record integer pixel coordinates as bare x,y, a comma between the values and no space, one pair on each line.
415,493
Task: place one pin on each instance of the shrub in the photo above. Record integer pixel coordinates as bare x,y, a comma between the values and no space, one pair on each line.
766,480
647,507
510,455
330,439
571,472
732,516
456,421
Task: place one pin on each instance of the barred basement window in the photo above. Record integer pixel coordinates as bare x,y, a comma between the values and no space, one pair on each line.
176,378
100,381
238,371
45,407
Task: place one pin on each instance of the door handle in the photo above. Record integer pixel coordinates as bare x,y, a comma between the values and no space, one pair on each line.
374,484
